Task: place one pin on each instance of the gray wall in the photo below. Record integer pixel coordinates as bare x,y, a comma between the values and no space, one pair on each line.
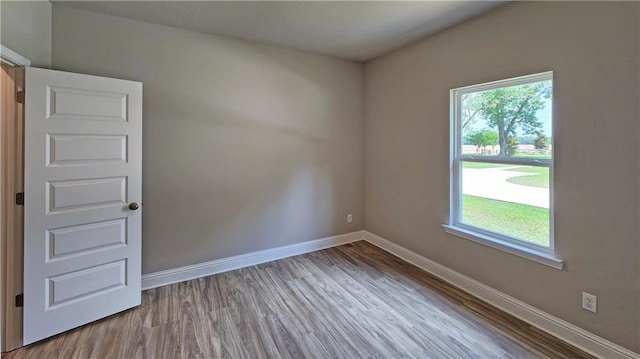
25,27
593,49
246,147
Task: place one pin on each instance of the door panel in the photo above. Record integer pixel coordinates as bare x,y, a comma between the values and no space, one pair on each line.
86,105
78,285
83,167
77,150
78,195
78,240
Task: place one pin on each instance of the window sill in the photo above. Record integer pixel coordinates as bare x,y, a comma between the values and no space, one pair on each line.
512,248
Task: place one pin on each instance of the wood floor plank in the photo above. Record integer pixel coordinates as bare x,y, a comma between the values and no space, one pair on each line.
352,301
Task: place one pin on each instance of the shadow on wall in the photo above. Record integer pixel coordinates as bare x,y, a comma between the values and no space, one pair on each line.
246,147
246,168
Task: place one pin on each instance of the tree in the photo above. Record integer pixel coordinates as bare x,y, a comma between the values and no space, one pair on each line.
508,109
526,139
470,109
512,146
541,142
482,138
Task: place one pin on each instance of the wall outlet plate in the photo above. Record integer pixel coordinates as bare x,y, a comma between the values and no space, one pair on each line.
589,302
349,218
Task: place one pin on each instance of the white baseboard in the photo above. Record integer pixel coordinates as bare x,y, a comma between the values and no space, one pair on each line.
570,333
157,279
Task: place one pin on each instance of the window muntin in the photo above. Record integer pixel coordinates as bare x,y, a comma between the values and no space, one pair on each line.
502,160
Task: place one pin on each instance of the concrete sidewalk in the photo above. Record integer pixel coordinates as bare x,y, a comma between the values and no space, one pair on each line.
492,183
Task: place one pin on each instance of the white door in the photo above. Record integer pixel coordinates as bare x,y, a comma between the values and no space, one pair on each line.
83,182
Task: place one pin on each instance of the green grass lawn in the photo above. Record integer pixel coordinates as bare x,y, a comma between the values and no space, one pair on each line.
539,179
481,165
518,220
533,155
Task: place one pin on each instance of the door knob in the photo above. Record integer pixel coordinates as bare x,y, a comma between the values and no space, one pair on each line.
133,206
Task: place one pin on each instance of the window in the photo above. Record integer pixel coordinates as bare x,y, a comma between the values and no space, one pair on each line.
502,166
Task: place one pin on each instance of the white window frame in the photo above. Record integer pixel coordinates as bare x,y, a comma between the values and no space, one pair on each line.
522,248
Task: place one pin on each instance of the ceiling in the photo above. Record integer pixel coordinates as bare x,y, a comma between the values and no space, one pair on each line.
355,30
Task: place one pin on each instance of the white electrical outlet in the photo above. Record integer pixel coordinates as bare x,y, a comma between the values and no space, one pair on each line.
589,302
349,218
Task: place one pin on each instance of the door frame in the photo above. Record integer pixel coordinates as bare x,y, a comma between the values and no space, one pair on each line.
11,182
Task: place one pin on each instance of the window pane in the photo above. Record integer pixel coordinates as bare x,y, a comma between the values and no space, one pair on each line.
508,199
512,121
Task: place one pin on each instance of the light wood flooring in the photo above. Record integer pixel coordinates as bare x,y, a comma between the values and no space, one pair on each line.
352,301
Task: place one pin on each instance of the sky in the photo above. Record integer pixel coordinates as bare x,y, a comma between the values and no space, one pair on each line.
544,115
